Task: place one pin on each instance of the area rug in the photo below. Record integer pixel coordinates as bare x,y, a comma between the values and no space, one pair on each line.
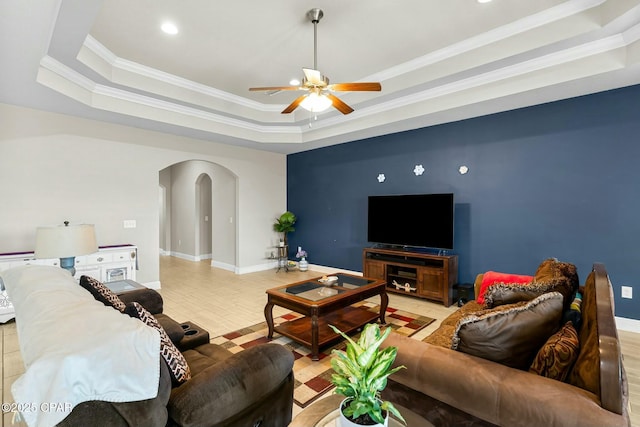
313,379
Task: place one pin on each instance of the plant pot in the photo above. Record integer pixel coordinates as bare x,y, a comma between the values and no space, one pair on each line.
303,264
346,422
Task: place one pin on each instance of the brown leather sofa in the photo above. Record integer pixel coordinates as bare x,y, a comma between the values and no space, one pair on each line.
452,388
250,388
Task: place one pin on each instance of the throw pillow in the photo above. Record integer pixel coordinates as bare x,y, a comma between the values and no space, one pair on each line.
101,293
558,354
491,277
510,334
551,269
509,293
574,313
178,366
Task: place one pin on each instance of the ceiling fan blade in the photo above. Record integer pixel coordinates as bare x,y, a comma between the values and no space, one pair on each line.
253,89
313,76
293,105
354,87
339,104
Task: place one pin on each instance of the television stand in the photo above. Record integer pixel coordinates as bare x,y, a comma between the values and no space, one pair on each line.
422,275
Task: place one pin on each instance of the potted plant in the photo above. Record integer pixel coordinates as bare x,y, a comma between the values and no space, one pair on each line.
360,374
284,224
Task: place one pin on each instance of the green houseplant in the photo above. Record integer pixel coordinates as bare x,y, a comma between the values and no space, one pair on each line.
360,374
284,224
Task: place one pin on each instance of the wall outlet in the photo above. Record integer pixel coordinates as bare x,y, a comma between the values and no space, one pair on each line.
627,292
129,223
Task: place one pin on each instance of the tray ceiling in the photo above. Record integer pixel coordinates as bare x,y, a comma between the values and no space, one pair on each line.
437,62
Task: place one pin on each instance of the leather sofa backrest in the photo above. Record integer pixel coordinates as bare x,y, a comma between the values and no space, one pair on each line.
598,368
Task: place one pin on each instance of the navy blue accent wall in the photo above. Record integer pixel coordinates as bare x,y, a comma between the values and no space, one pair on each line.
555,180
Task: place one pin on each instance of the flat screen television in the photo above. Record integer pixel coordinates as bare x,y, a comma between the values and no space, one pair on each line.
416,220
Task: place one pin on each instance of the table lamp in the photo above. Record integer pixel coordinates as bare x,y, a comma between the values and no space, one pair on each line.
66,242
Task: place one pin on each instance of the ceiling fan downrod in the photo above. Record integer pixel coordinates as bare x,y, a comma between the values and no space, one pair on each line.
315,15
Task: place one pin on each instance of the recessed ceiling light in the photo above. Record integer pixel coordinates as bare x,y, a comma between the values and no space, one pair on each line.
484,1
294,82
169,28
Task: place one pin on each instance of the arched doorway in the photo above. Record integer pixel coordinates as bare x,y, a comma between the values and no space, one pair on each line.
198,212
203,217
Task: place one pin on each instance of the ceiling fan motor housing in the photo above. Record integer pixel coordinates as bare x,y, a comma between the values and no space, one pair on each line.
315,15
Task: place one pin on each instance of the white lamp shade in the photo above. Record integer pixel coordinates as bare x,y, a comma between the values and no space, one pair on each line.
65,241
316,102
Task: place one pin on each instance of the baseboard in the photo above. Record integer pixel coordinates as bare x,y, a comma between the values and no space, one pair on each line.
224,266
203,257
184,256
272,265
626,324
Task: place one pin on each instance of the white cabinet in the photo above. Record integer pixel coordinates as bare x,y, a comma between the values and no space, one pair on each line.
109,264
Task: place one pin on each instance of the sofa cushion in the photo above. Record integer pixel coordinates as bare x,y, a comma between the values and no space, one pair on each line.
508,293
510,334
101,293
558,354
225,384
491,277
442,336
178,367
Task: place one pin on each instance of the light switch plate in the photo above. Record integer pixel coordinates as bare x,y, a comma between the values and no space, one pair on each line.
627,292
129,223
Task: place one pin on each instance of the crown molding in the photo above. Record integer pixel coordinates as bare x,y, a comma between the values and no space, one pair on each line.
60,77
152,73
540,19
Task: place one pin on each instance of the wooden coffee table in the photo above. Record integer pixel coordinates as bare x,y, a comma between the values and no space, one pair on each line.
325,305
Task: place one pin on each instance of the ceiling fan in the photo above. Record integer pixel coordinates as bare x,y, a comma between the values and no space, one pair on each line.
319,94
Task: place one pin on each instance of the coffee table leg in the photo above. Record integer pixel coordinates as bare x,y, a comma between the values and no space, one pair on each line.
384,301
268,315
314,337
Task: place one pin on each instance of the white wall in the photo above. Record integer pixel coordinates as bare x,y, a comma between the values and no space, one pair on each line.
216,198
55,167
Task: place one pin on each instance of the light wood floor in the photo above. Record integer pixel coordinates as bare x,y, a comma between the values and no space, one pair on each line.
221,302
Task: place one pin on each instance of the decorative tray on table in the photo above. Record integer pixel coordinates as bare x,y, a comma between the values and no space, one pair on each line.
328,280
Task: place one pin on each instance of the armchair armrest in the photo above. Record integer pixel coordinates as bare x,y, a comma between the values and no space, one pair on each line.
226,388
148,298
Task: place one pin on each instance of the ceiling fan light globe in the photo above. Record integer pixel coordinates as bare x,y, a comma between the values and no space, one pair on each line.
316,103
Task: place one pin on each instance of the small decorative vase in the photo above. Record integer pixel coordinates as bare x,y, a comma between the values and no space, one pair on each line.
346,422
303,264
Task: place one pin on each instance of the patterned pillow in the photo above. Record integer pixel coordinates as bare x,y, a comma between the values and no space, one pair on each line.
566,273
556,357
510,334
491,277
509,293
178,366
101,293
